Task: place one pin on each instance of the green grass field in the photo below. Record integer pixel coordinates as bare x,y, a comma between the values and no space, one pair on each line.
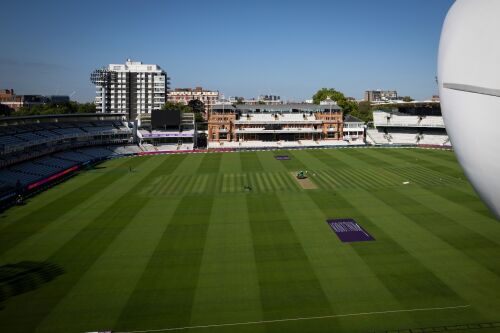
179,243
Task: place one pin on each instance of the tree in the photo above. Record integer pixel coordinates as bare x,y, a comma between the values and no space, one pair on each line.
407,99
324,93
239,100
86,108
197,106
364,111
347,106
183,108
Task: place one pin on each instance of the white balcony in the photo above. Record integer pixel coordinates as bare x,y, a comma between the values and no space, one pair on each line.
284,130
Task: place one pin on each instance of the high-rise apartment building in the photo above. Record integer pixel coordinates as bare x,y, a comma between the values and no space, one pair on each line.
132,88
380,95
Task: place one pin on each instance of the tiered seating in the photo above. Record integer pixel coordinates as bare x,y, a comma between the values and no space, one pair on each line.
72,156
25,143
11,177
5,189
69,131
100,129
54,162
29,136
382,118
11,140
35,169
409,138
378,137
96,152
126,150
47,134
432,121
148,147
434,139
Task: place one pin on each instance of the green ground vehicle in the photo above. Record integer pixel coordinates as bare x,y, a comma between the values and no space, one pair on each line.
302,175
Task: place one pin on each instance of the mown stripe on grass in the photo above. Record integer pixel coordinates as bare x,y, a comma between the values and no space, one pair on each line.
460,197
165,293
410,282
227,288
423,176
260,182
414,157
200,184
365,158
273,181
465,240
190,188
181,187
110,281
33,222
47,241
350,178
231,163
294,163
210,163
442,157
469,282
288,181
458,211
342,273
325,180
250,162
422,172
80,253
369,182
377,178
288,284
330,158
262,185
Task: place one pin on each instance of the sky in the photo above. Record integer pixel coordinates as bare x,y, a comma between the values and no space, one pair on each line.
241,48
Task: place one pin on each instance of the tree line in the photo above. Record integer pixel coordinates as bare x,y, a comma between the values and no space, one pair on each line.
50,108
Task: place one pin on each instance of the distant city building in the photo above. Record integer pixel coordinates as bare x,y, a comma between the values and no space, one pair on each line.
261,100
15,102
269,98
380,95
6,94
57,99
185,95
132,88
435,98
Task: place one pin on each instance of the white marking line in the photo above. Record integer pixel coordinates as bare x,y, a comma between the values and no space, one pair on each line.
297,319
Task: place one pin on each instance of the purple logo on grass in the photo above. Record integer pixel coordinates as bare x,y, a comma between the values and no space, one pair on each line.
282,157
348,230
